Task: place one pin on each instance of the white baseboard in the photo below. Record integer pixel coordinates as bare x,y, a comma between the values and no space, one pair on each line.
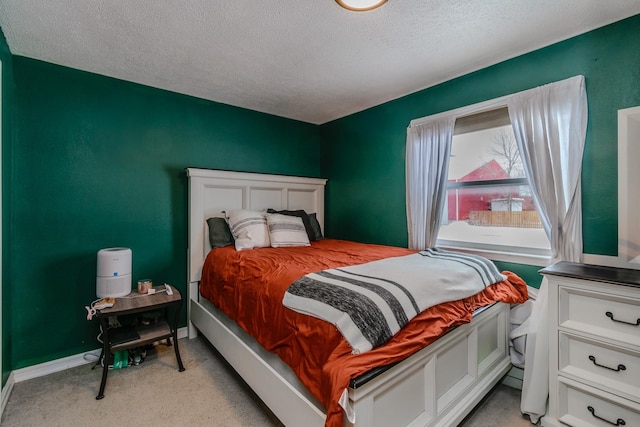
68,362
6,391
57,365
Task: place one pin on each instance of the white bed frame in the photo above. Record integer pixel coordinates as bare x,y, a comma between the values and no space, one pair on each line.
438,386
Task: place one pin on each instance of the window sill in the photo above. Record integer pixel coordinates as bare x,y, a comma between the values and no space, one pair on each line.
541,260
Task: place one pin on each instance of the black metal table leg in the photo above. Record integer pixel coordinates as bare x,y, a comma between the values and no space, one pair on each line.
105,355
175,337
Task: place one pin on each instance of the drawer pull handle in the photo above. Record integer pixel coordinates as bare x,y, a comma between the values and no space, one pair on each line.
619,422
620,367
610,316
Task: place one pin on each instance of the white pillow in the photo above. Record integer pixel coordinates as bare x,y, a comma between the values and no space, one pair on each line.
249,229
286,231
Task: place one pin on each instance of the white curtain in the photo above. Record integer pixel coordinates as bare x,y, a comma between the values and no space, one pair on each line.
550,125
427,166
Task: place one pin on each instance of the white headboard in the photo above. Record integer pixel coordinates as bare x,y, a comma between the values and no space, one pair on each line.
213,191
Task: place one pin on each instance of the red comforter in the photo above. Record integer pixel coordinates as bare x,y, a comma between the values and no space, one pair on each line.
249,286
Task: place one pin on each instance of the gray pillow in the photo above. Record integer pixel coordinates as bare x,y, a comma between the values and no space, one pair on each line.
300,213
315,226
219,233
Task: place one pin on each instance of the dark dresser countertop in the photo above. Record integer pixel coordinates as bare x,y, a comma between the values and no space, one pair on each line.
598,273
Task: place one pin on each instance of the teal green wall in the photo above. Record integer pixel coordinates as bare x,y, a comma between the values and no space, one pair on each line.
528,273
364,154
98,162
5,287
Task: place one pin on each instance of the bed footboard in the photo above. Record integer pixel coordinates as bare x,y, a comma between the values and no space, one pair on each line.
442,383
438,386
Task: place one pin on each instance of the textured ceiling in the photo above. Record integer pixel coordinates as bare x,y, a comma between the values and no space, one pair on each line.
308,60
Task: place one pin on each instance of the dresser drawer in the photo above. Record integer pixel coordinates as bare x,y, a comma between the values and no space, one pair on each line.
602,314
580,405
604,366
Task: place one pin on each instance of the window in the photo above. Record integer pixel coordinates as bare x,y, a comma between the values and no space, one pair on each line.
489,205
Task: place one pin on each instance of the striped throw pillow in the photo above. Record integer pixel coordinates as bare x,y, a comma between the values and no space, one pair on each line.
286,231
249,229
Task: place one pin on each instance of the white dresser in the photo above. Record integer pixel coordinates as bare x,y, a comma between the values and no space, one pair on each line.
594,348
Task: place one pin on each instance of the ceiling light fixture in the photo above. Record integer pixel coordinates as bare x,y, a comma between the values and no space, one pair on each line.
361,5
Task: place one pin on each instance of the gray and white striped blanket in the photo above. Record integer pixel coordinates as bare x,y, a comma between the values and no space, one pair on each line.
370,302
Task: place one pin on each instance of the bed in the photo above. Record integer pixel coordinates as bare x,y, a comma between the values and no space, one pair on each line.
435,385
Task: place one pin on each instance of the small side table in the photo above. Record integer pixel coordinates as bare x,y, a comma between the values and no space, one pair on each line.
146,334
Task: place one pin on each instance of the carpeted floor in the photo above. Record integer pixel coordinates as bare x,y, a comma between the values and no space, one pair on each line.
156,394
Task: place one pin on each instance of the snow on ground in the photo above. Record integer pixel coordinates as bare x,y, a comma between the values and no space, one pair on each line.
504,236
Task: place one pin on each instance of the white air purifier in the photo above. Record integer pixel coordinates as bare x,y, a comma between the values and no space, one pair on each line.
113,278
